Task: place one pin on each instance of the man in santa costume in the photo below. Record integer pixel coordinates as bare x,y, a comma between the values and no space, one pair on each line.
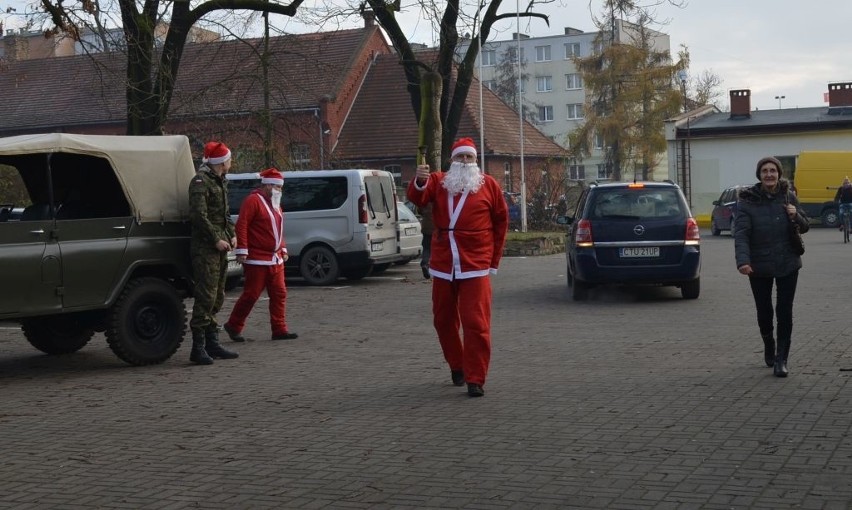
471,220
262,252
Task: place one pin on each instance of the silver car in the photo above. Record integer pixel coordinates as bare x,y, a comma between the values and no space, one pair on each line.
410,235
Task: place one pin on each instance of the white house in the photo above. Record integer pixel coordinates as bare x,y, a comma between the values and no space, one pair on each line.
709,150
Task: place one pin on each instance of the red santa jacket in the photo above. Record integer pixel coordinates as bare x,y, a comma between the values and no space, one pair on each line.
260,231
470,228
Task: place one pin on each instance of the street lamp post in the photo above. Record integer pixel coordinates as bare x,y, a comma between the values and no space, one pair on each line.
779,98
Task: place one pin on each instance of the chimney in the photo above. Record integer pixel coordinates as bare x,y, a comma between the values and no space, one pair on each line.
740,104
369,17
839,94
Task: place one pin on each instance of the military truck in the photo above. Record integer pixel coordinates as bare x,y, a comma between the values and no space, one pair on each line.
100,243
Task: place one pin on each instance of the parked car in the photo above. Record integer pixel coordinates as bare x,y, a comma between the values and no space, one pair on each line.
637,233
336,222
410,235
725,210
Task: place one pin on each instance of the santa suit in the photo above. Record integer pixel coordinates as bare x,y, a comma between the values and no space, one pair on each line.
467,245
260,237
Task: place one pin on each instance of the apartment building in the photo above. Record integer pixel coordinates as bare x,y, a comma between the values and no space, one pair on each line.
554,88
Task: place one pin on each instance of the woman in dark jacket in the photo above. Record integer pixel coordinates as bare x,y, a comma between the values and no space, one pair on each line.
765,212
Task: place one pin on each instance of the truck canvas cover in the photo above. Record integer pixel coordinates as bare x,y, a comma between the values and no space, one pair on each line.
153,196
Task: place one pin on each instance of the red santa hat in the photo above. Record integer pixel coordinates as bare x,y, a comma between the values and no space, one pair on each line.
464,146
271,176
216,153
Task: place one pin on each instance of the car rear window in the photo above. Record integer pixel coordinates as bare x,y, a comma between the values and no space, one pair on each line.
635,203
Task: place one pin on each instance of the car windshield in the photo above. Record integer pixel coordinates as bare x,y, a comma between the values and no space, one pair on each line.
636,203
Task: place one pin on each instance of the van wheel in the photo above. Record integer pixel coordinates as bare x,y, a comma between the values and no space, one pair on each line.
357,274
57,334
319,266
830,218
147,323
380,268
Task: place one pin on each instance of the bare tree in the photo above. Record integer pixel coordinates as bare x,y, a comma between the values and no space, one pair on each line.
437,99
152,69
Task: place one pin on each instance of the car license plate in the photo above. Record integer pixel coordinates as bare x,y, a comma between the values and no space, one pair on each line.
411,231
643,251
377,245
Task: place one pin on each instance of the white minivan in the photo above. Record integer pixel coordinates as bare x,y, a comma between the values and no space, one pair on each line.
336,222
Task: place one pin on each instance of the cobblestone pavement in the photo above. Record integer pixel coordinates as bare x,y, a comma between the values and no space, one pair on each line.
634,399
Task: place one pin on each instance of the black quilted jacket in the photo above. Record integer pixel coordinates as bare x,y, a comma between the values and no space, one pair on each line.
762,231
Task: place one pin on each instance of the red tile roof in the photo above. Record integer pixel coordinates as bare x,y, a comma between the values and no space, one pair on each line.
382,122
218,78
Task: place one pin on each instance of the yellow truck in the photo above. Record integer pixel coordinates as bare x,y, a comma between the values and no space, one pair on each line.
818,175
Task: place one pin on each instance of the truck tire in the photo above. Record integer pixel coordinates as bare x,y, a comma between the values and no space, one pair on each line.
57,334
830,218
147,323
319,266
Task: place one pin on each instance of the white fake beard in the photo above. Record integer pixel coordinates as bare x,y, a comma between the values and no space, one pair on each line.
463,177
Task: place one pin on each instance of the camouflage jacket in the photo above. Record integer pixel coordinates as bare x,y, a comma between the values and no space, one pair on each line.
208,210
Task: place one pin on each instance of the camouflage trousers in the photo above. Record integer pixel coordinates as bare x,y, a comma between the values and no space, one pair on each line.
209,270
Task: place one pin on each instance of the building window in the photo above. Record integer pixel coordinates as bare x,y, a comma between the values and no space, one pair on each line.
490,84
542,53
489,58
598,48
577,172
599,141
603,172
545,114
573,81
543,83
572,50
575,111
300,155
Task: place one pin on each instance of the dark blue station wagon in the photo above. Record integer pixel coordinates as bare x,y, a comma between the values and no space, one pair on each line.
633,233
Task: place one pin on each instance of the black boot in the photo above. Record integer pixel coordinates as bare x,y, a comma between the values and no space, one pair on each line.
214,349
768,350
199,355
780,369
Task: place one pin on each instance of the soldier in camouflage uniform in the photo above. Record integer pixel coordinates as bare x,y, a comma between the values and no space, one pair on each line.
213,237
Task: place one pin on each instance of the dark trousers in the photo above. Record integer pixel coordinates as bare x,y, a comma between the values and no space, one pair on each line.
426,244
761,289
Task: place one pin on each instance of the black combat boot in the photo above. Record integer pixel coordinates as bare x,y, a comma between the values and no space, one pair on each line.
768,350
780,369
199,355
214,349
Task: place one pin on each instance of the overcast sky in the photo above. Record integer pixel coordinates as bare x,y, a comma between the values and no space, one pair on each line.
790,48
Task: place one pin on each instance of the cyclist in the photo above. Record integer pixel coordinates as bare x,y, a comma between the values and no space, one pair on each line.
844,199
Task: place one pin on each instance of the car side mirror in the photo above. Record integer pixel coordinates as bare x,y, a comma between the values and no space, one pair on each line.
564,220
715,202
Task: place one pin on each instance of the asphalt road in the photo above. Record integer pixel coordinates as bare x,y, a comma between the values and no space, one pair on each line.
633,399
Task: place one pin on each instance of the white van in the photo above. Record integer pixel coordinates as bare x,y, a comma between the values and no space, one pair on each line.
336,222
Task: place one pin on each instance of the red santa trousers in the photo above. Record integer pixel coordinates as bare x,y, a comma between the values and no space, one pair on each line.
465,303
257,278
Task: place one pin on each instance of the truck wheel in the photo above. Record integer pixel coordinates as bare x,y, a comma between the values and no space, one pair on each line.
147,323
830,218
319,266
57,334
